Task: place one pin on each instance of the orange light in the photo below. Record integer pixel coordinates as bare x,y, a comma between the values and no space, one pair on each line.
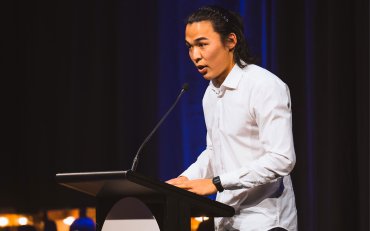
69,220
22,221
201,219
4,221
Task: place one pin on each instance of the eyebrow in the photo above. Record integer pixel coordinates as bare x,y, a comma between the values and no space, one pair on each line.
200,39
197,40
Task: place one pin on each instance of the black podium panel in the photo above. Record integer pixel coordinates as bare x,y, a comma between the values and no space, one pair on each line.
172,206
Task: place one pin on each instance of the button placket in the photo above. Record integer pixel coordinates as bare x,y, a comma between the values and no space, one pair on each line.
218,129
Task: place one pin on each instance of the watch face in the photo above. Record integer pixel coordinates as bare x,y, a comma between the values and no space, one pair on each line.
217,182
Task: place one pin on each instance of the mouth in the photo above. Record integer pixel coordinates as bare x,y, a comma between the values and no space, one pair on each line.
202,69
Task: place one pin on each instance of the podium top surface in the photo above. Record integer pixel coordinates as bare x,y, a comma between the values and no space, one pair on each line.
128,183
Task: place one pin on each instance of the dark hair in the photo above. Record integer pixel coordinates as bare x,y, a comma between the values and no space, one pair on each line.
225,22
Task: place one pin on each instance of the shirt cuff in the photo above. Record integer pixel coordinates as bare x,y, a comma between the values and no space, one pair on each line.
232,180
229,180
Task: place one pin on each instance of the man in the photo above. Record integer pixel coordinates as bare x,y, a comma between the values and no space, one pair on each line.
250,150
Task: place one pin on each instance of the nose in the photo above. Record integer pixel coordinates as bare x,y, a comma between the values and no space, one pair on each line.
195,55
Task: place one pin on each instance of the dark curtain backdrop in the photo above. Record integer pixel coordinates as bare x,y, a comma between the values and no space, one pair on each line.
84,82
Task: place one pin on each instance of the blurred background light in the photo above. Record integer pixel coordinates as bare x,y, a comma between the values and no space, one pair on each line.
4,221
201,219
69,220
22,221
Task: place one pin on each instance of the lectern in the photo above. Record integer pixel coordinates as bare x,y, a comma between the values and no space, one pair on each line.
171,206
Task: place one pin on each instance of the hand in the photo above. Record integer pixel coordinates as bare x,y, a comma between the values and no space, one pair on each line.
202,187
178,180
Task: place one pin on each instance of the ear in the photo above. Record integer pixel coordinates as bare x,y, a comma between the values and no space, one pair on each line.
232,40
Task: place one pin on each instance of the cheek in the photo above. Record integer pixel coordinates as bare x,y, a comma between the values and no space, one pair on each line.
217,57
211,54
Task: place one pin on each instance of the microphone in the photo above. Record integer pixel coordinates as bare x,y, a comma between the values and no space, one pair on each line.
184,88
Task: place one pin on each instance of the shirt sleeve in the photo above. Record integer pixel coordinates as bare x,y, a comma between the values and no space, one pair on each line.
272,112
201,168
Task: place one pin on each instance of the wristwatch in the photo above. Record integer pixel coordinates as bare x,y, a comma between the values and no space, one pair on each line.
217,182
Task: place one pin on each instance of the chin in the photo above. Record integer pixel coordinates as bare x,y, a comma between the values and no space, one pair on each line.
207,77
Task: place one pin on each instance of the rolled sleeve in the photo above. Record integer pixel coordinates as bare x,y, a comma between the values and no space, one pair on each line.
273,116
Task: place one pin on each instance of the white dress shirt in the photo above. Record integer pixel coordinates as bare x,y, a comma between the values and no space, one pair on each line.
250,146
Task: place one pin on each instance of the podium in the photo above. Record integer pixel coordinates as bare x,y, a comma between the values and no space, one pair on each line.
171,206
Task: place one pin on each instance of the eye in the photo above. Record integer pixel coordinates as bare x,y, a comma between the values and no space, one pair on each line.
202,45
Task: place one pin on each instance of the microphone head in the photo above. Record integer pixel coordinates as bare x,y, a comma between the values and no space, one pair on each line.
185,87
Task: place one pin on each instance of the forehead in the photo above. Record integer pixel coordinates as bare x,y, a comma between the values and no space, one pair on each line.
200,29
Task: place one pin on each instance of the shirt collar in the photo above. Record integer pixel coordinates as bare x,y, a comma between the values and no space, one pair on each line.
233,78
231,81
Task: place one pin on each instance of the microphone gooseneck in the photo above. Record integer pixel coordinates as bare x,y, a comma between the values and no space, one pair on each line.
185,87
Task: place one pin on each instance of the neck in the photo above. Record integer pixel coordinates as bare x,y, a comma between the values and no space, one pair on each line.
217,82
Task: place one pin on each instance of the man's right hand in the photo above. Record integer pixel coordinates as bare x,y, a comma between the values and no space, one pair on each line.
178,180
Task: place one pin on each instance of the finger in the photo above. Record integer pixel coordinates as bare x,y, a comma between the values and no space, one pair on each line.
177,180
183,186
172,181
